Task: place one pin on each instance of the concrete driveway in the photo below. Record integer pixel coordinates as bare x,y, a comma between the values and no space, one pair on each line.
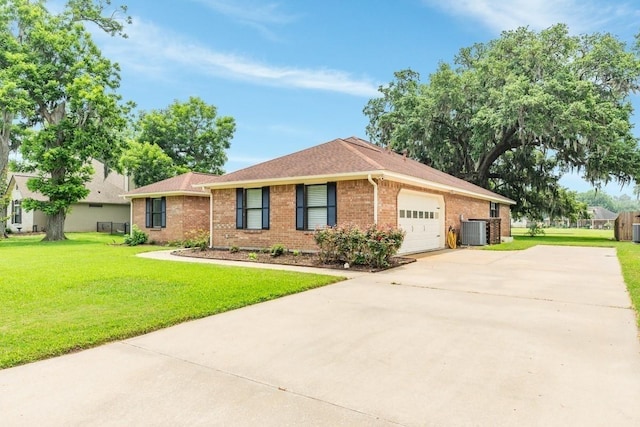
540,337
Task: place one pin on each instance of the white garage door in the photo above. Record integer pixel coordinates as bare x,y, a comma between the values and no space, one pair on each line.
422,217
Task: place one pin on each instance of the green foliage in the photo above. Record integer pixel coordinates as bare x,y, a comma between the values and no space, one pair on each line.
513,114
277,249
373,246
252,256
71,108
196,239
613,203
535,229
234,249
147,163
190,133
563,204
137,237
296,253
60,297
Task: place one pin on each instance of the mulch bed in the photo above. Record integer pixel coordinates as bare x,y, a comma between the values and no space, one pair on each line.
302,260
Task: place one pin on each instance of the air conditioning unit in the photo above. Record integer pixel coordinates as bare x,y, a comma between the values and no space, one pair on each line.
474,233
635,233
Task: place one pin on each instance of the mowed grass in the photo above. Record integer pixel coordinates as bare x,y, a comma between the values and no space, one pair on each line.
59,297
628,252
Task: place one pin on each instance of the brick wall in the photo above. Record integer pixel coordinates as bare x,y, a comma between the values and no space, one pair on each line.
355,206
464,208
184,214
455,206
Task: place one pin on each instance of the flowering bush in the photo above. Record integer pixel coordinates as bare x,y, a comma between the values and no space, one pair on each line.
372,247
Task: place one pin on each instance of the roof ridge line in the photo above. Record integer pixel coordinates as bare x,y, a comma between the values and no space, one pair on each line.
363,156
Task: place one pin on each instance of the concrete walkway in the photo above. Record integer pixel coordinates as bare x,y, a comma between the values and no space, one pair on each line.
542,337
169,256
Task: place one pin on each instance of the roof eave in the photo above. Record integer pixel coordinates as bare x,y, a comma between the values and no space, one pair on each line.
406,179
309,179
164,194
317,179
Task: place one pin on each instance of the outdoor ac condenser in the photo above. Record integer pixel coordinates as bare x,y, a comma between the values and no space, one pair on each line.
635,233
474,233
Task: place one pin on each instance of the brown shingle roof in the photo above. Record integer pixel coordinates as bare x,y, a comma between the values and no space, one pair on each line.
347,157
177,185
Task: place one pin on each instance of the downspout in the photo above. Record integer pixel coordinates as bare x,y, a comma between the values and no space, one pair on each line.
131,217
375,199
210,219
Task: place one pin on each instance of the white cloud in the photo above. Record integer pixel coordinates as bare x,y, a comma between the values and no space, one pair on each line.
161,54
250,11
255,14
580,15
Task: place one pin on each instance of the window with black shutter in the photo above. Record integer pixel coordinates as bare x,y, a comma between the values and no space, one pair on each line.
316,206
252,208
156,212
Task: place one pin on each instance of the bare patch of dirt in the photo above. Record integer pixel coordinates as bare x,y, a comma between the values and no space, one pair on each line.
302,259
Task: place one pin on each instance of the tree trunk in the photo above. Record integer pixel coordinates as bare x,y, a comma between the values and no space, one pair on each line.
4,202
507,142
3,221
55,227
5,147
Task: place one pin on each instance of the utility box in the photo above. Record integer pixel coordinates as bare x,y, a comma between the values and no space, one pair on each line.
635,233
473,233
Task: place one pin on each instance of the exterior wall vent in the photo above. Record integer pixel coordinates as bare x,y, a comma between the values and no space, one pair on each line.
474,233
635,233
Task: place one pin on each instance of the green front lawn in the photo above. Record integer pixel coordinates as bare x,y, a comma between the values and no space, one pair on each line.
628,252
58,297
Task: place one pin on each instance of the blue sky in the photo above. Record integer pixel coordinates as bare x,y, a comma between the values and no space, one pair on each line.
298,73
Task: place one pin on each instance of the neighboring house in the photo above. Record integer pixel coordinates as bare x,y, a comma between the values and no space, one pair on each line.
599,217
103,204
168,210
343,182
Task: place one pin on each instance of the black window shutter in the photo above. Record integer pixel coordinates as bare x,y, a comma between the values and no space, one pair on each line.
300,207
331,204
147,221
163,219
265,208
239,206
13,212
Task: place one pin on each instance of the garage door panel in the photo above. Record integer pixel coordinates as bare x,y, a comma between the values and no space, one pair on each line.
421,216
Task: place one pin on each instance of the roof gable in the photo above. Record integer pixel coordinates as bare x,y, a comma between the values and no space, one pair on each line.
348,157
101,189
177,185
599,212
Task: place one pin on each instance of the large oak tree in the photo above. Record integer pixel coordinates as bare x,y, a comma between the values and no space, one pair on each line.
73,112
190,133
514,114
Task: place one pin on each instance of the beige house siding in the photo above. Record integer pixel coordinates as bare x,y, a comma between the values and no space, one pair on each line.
355,205
84,217
29,219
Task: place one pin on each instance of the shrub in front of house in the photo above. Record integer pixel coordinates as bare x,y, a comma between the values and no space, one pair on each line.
196,239
277,250
137,237
373,246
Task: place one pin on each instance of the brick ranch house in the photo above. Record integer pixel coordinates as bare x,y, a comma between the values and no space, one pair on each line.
169,210
341,182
